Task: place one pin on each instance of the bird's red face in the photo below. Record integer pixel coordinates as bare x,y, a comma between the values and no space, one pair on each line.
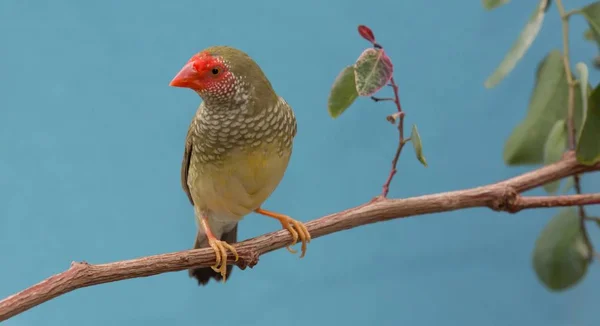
206,74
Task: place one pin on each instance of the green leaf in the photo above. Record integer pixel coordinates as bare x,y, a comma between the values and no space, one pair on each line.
591,13
493,4
588,145
373,70
555,146
521,45
568,185
416,141
548,104
343,92
560,257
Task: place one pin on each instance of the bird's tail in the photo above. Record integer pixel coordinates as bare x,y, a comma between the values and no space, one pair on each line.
204,274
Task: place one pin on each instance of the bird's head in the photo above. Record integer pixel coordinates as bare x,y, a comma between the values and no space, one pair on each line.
222,73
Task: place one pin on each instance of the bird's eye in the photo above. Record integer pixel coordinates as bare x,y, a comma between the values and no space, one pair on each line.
215,71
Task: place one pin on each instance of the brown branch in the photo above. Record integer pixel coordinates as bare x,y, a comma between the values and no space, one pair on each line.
501,196
556,201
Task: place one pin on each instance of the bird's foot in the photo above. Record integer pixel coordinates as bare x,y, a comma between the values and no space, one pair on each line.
220,248
296,228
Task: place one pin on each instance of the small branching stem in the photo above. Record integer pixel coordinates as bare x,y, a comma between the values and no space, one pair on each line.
399,115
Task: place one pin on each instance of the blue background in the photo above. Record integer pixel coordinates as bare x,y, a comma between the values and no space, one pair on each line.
91,139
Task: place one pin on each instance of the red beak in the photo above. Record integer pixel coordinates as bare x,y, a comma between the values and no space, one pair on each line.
186,77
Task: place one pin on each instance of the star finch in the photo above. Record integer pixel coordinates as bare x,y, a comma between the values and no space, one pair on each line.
237,149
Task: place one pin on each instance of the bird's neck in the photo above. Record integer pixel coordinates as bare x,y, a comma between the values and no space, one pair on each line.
217,131
245,100
238,105
238,99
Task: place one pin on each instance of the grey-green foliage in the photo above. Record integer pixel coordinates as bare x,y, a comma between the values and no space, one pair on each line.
562,251
560,258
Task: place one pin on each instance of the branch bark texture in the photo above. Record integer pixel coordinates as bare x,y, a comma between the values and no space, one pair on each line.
501,196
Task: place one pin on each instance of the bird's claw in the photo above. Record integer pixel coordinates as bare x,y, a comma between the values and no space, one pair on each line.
220,248
298,231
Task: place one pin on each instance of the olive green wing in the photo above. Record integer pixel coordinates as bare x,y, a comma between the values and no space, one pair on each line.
185,164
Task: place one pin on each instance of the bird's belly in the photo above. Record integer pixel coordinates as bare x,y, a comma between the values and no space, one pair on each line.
239,184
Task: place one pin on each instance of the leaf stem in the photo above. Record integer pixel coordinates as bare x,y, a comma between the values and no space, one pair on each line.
564,17
379,99
595,219
571,13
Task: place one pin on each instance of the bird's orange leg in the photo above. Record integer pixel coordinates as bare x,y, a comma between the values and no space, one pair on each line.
220,248
296,228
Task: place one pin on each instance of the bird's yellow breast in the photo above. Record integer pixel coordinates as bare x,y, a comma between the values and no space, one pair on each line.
239,183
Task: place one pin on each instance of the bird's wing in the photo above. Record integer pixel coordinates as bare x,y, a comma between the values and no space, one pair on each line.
185,164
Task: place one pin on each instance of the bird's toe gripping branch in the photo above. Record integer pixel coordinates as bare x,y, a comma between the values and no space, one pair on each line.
220,248
296,228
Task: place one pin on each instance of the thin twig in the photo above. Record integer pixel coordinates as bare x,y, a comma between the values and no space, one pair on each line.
564,17
578,190
401,141
500,196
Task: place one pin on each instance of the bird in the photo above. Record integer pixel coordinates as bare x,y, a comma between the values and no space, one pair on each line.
237,150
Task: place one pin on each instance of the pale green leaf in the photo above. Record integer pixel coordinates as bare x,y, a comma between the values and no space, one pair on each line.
591,13
583,72
560,257
418,147
588,145
588,35
493,4
548,104
555,146
584,75
373,70
521,45
343,93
